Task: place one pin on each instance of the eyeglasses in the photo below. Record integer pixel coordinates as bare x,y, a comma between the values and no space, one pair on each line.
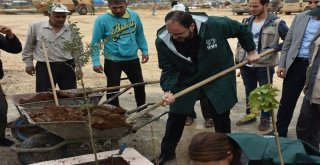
311,2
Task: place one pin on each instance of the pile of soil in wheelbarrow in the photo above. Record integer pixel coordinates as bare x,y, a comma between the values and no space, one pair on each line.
109,161
101,117
45,96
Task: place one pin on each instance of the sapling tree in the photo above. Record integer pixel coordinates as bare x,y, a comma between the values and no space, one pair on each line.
81,54
264,99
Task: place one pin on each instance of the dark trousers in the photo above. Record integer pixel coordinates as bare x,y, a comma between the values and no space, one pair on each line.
132,69
308,126
3,113
175,126
204,109
63,74
292,86
251,76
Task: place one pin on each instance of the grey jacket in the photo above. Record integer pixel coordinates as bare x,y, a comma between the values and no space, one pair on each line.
312,86
292,43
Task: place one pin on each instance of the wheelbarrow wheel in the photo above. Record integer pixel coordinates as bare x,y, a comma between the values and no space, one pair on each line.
42,140
21,131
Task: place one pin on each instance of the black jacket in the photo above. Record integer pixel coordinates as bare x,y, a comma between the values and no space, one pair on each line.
12,45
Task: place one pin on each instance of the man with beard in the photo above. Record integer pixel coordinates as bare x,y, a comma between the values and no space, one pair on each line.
54,33
121,33
9,43
266,29
191,49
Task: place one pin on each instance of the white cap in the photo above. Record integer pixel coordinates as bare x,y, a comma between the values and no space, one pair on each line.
58,8
179,7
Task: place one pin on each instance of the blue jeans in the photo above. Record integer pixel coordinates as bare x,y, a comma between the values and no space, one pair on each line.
251,76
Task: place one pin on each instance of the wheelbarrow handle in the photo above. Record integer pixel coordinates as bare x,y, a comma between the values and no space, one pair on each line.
121,86
133,117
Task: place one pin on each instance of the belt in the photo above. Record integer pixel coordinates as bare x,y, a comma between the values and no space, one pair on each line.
302,60
64,62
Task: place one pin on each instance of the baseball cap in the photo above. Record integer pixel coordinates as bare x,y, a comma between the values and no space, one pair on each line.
315,11
58,8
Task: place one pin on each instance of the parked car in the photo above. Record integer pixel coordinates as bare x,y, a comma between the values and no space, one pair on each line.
80,6
240,7
294,6
20,3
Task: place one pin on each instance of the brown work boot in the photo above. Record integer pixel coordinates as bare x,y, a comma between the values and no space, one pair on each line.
264,124
246,120
189,121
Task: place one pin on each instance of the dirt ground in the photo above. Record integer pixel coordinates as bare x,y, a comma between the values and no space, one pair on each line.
16,81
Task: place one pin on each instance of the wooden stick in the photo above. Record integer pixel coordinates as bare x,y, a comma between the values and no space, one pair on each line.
124,86
50,74
88,91
193,87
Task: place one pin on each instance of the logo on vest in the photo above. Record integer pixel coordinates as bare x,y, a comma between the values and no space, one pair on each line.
211,43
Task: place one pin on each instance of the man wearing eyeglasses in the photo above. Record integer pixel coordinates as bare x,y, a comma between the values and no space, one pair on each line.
121,33
54,33
293,64
192,48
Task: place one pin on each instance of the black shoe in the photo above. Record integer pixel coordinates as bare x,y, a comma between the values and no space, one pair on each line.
163,159
6,142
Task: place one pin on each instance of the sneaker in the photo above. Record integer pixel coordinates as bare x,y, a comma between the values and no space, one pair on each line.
247,120
208,123
264,124
189,121
6,142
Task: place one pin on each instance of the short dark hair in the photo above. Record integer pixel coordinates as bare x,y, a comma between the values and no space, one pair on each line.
262,2
183,18
116,1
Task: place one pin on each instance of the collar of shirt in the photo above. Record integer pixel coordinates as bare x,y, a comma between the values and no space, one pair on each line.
126,14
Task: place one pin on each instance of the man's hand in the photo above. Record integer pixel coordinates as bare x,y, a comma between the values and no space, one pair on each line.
98,69
144,59
30,70
252,57
167,98
6,30
281,72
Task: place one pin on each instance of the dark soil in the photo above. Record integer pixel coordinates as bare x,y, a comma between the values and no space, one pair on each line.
101,117
43,96
109,161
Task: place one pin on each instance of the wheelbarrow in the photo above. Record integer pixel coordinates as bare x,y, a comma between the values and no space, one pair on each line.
59,137
21,129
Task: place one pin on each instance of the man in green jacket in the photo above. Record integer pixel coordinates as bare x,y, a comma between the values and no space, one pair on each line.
191,49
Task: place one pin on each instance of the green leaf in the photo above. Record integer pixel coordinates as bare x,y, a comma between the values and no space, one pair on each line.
263,99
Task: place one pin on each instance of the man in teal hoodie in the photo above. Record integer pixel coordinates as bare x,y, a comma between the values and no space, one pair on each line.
191,49
121,33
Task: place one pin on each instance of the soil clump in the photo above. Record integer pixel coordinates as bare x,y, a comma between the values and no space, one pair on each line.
101,117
